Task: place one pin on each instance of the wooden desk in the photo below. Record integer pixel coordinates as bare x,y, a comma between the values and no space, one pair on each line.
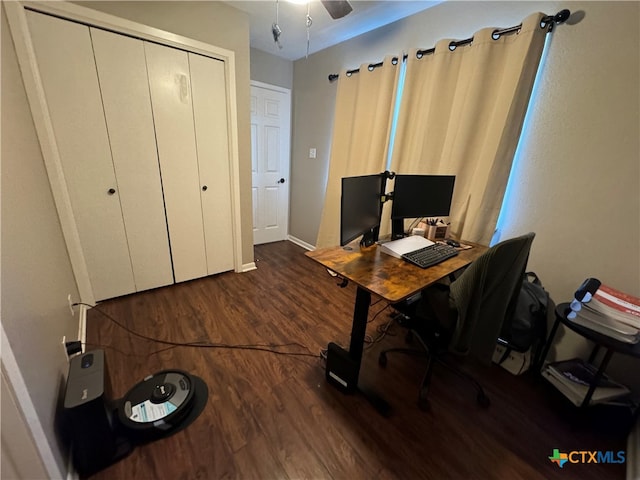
391,278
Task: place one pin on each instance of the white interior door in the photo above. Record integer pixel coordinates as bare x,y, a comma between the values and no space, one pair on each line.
68,73
270,147
170,85
212,140
127,107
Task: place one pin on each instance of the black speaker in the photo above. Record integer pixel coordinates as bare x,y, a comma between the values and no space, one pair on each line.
90,416
341,370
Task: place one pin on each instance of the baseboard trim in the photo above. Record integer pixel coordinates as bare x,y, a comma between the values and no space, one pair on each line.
247,267
82,325
301,243
633,453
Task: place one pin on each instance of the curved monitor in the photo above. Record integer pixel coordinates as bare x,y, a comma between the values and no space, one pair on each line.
361,208
417,196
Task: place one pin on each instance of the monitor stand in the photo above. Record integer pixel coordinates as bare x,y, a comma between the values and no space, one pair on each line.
370,237
397,228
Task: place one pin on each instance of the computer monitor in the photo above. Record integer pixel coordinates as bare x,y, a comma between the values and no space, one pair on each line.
417,196
361,208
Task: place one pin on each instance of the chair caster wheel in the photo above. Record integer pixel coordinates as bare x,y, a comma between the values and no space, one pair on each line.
382,359
483,400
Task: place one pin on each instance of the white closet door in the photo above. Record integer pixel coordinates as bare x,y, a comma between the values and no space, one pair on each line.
122,73
168,71
212,141
68,73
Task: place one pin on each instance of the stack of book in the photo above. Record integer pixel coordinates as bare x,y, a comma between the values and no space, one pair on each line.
608,311
573,378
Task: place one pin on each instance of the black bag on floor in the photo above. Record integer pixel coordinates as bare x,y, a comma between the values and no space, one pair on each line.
527,329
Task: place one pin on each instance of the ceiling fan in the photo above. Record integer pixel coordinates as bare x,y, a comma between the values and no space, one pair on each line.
337,8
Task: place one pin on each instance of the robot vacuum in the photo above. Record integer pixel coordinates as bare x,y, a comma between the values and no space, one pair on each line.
100,431
158,404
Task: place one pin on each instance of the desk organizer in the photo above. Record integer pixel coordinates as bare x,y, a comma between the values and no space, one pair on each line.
437,232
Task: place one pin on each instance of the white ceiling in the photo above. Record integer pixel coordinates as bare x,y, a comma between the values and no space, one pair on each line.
324,31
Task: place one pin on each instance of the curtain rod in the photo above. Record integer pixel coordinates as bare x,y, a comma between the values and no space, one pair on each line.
560,17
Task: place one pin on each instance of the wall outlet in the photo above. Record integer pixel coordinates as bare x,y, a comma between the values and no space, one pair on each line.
70,306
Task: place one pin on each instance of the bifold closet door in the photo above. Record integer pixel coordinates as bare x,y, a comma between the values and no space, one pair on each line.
190,111
68,73
170,86
122,73
212,141
142,134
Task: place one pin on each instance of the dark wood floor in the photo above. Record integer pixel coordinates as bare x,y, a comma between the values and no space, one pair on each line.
271,416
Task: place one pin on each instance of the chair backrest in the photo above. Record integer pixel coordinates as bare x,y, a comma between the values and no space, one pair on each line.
486,294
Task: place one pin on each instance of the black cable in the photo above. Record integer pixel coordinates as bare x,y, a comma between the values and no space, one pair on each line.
383,331
258,346
376,302
98,345
379,311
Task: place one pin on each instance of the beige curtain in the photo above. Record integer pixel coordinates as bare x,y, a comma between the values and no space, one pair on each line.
462,113
360,143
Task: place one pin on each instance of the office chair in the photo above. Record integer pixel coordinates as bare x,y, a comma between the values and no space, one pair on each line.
465,317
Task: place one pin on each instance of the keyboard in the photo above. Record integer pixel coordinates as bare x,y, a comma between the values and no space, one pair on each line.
432,255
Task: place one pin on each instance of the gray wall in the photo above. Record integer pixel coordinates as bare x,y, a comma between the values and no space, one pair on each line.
268,68
35,266
576,178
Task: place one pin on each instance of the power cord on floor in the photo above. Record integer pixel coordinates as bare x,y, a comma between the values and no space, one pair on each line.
382,330
109,347
263,347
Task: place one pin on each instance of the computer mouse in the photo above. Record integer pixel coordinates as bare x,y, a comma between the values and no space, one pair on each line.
453,243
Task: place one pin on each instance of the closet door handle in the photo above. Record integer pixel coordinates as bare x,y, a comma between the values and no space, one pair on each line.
281,180
111,191
204,188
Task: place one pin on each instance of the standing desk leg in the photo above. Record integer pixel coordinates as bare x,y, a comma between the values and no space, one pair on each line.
359,325
339,367
356,347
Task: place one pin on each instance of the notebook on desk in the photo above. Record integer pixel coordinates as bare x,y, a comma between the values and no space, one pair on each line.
397,248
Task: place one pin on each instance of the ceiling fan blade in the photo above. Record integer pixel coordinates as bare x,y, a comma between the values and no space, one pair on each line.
337,8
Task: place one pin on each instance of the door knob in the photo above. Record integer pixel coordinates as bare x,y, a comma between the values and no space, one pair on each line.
111,191
204,188
281,180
